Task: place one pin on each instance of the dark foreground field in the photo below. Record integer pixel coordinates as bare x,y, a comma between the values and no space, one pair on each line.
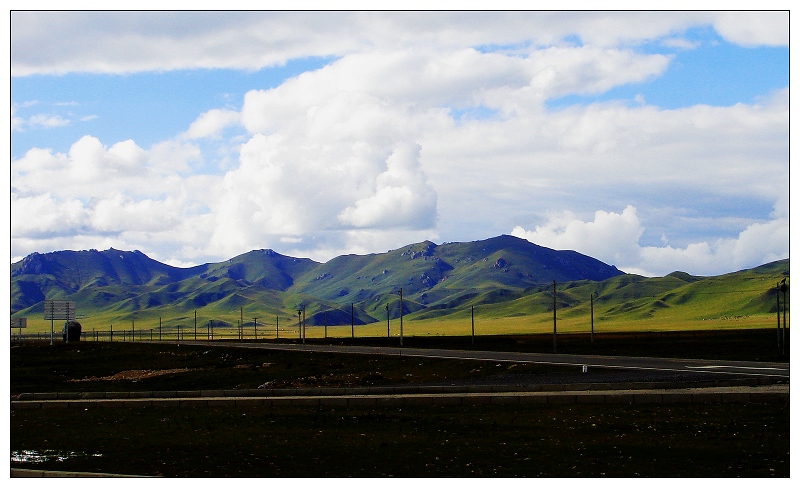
686,440
721,440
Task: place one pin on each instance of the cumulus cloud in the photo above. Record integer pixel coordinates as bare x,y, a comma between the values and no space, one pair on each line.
401,198
369,153
614,239
611,237
120,195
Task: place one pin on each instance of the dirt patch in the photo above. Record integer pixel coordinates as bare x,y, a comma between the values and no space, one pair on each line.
135,374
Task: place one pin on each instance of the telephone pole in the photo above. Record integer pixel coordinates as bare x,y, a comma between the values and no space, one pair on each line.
473,325
401,317
591,307
555,349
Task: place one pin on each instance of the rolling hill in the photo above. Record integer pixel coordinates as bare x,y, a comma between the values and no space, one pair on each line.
501,276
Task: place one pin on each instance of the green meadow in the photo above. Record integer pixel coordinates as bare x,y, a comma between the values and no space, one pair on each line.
627,303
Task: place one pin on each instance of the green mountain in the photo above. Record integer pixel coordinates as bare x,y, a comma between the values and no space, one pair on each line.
430,275
503,277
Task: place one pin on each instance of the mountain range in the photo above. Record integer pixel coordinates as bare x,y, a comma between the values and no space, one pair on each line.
436,280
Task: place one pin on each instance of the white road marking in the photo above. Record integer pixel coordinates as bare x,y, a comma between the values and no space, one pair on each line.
735,367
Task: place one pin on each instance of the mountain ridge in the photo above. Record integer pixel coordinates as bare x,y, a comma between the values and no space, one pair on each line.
500,276
428,273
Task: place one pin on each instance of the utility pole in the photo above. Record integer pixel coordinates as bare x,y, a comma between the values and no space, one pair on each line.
133,330
778,310
352,322
255,324
591,307
555,349
473,325
387,321
401,317
195,325
276,327
300,325
783,336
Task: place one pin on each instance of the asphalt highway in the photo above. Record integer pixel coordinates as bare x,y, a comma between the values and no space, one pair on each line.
746,368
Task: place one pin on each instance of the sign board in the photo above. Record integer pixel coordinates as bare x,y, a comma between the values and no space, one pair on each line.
59,310
19,323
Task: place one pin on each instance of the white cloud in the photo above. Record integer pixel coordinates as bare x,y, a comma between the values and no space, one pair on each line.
96,196
765,28
610,237
365,154
211,123
402,196
45,215
124,42
47,121
614,239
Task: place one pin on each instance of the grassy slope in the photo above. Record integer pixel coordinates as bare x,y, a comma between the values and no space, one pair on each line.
115,287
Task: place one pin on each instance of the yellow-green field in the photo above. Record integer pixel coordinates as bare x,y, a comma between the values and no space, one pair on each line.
530,324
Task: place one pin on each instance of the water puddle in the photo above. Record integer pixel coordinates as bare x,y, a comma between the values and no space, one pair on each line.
31,456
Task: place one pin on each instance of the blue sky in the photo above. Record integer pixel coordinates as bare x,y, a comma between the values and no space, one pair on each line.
655,143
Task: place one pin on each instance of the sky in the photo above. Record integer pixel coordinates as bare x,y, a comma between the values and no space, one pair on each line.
653,141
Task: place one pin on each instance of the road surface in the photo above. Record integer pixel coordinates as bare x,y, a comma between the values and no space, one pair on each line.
722,367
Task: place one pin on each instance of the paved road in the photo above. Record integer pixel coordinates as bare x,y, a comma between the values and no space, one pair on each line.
779,370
